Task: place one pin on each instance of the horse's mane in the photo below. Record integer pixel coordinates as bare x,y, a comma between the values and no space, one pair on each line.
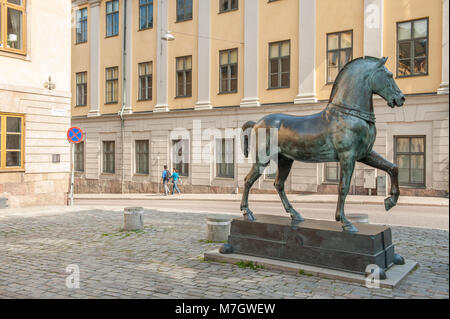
336,81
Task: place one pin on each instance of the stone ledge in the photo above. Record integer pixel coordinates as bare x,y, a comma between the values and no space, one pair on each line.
394,274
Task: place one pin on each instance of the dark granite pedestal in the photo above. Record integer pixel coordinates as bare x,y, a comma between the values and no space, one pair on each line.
313,242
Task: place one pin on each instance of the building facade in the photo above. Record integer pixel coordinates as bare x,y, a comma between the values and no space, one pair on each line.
34,101
144,70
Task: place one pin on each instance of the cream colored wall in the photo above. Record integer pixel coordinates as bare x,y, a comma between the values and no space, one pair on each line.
278,21
229,28
334,16
111,56
144,50
401,10
48,36
186,43
80,63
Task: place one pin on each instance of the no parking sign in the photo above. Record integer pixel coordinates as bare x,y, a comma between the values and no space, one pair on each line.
75,135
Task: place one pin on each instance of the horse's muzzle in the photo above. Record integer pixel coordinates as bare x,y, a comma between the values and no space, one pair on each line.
397,101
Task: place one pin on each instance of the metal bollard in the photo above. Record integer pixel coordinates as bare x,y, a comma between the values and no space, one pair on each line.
133,218
218,229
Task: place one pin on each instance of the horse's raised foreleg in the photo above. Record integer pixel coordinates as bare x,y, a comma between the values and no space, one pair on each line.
250,179
376,160
347,164
284,167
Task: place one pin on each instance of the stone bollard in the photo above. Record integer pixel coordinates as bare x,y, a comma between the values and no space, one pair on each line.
133,218
358,218
218,229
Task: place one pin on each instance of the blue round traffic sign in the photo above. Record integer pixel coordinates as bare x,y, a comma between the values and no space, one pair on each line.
75,135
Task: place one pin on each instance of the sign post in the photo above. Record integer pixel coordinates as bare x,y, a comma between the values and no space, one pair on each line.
74,135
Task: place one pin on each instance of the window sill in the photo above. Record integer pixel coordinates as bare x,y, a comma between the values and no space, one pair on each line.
78,43
13,54
81,105
111,103
142,174
183,96
184,20
12,170
224,93
144,100
221,178
111,36
411,76
278,88
413,186
144,29
226,11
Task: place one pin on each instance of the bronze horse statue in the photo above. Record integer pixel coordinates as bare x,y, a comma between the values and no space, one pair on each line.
343,132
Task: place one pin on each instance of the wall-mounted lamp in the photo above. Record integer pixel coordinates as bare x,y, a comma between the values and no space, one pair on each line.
49,85
168,36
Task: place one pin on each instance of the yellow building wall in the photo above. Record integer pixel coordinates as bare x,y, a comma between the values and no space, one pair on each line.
185,44
227,32
80,63
278,21
111,56
143,50
335,16
404,10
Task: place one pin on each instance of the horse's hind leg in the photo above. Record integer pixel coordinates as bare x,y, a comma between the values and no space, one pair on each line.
347,165
284,167
377,161
250,179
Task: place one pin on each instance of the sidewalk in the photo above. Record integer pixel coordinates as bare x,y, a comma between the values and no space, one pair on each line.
294,198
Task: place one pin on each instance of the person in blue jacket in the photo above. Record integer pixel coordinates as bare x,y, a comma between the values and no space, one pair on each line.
175,179
165,177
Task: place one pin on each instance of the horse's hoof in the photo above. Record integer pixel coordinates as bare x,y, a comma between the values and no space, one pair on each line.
389,203
296,215
226,249
350,228
248,215
398,260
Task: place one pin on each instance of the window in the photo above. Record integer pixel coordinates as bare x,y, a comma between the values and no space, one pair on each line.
409,153
145,14
184,76
332,172
279,64
11,141
142,156
412,48
112,83
81,89
339,52
225,158
12,26
228,5
109,156
145,81
228,71
82,25
180,156
79,157
112,18
184,10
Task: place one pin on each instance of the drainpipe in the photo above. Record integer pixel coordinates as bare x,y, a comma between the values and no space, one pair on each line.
124,88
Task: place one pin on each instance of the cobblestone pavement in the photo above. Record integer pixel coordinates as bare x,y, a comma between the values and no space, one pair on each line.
164,260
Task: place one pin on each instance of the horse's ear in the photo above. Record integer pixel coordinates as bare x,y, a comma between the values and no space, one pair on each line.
382,61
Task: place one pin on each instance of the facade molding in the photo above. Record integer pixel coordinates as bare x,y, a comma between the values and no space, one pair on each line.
373,28
204,56
162,83
306,53
94,76
251,47
128,57
443,89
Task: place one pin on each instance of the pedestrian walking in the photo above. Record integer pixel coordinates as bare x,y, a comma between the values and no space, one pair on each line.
165,180
175,179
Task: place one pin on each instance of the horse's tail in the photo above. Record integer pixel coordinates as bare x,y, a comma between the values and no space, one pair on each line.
246,133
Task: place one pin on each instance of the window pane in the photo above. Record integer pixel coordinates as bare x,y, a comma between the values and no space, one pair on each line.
274,81
333,59
234,85
332,74
402,145
285,79
13,141
180,63
14,37
188,63
404,31
417,169
116,5
417,145
420,28
224,57
274,50
285,48
345,57
404,67
234,56
180,84
404,50
420,48
13,124
403,168
12,159
346,40
333,41
17,2
420,65
274,66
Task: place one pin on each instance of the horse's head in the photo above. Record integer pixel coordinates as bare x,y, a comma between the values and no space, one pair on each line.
383,84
